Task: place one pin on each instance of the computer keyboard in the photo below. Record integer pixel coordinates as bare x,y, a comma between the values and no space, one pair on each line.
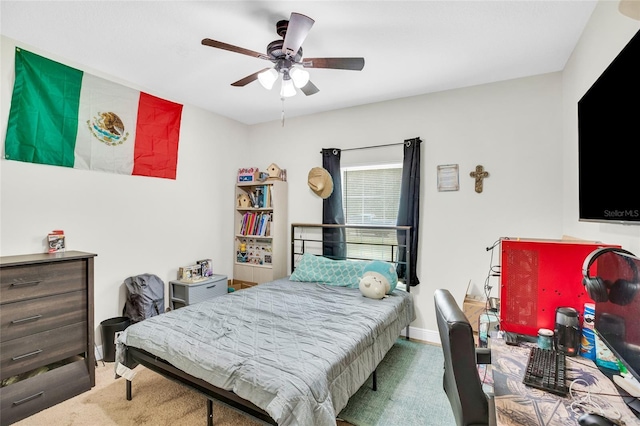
546,370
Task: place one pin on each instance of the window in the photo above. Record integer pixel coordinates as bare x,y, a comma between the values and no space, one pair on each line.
371,196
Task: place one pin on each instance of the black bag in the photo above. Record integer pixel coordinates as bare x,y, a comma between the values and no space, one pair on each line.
145,297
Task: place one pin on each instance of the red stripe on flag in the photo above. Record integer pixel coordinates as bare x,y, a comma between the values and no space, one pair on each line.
157,134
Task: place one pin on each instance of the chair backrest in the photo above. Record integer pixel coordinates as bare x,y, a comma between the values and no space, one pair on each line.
461,381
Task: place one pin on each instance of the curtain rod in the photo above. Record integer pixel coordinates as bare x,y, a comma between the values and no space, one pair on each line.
379,146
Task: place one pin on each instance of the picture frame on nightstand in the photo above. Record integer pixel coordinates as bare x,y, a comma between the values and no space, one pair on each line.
206,266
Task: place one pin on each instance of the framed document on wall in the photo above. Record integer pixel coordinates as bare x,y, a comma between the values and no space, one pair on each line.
448,177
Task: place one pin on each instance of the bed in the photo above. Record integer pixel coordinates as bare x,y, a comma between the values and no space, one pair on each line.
288,352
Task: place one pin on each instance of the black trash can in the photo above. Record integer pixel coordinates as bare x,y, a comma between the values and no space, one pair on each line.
110,329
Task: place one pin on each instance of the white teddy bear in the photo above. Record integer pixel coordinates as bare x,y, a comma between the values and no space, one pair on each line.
373,285
378,280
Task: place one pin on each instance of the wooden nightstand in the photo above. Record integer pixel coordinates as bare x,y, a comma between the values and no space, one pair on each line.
183,294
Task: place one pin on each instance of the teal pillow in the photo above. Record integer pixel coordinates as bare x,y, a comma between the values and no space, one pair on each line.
318,269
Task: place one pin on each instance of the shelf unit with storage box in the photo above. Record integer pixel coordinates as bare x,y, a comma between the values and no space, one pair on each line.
261,230
46,344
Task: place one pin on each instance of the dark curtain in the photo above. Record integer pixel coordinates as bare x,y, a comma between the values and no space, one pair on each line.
409,211
334,240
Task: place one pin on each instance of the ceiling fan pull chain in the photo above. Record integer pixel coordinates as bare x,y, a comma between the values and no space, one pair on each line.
282,115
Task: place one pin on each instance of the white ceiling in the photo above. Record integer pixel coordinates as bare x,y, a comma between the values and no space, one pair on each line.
410,47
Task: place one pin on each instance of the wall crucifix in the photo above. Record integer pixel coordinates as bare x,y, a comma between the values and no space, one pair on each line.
479,175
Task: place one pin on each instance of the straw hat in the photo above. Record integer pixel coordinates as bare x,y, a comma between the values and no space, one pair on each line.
320,182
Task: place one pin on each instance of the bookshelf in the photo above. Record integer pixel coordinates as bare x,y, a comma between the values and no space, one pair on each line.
260,241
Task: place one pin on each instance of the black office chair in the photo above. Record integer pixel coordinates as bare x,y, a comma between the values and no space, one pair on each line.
470,404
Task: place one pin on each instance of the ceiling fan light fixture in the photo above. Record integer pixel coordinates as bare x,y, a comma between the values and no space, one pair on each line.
299,76
287,89
268,78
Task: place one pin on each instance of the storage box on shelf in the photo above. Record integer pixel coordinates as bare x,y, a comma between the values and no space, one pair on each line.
261,232
46,318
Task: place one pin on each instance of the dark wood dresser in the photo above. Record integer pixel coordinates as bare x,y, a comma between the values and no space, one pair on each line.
46,331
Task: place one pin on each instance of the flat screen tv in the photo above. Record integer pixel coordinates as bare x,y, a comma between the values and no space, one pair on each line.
609,142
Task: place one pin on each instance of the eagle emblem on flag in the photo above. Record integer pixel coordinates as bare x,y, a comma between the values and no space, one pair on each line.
108,128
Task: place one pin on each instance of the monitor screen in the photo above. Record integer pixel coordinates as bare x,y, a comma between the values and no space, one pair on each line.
617,319
609,142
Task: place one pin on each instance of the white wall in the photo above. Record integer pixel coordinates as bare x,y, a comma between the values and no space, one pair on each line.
512,128
134,224
522,131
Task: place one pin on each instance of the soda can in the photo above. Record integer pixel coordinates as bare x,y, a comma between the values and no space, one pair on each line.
588,344
588,341
589,316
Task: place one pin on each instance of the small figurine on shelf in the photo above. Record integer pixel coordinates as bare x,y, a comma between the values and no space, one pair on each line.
244,200
276,173
242,252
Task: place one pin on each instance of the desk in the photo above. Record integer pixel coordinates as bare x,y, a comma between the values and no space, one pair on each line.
517,404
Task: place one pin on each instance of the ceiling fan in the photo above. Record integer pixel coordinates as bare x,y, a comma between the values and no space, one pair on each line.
630,8
286,55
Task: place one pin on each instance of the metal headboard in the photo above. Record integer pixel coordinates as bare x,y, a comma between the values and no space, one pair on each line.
308,237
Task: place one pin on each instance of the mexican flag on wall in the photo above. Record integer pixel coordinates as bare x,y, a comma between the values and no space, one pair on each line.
65,117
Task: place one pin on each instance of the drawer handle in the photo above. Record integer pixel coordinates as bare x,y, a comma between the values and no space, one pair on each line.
29,398
36,352
18,321
24,283
212,286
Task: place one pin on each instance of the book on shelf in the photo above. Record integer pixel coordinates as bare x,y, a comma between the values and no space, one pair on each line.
255,223
259,198
268,202
252,221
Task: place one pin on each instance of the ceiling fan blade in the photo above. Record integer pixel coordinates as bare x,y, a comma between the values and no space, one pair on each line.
309,89
355,64
232,48
297,30
248,79
630,8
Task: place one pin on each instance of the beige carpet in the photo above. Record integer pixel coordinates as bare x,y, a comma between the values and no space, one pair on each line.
155,401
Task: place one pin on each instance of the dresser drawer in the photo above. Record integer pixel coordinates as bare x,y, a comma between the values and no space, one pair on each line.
29,281
182,294
36,350
29,396
32,316
207,291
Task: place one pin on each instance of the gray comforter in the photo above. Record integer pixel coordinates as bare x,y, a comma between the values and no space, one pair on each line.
297,350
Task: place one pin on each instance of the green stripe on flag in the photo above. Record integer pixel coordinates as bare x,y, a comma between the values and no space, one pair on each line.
43,120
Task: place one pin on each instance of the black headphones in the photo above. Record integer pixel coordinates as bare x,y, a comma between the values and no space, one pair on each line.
622,291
